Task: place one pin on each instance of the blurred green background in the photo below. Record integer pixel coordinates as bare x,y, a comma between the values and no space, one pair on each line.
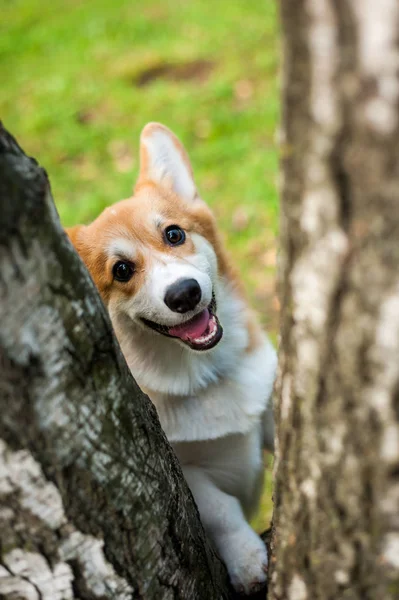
80,78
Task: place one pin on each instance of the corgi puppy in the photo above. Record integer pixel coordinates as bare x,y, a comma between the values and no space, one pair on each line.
191,342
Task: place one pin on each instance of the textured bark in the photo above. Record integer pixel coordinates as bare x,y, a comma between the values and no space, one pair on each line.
92,499
336,518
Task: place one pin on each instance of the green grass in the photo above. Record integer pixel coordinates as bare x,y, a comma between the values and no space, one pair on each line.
69,73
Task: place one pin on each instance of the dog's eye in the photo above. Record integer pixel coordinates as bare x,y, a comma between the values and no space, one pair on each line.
122,271
174,235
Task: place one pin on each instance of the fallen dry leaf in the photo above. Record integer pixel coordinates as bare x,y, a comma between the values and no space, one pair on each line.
240,219
269,258
243,89
121,154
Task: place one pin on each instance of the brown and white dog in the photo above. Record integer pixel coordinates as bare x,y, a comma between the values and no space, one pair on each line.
191,342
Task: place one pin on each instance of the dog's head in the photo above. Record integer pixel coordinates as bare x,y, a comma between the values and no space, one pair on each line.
156,256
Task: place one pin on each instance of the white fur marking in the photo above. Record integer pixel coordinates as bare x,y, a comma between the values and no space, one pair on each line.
121,247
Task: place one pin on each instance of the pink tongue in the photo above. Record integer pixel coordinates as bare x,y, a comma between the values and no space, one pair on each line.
193,328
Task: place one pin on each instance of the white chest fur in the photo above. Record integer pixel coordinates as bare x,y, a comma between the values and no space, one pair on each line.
234,404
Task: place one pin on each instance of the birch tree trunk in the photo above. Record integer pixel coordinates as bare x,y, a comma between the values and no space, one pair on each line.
93,504
336,518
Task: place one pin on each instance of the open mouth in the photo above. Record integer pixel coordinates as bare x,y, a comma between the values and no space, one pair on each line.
202,332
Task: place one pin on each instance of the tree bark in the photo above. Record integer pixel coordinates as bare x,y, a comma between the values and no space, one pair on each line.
336,517
93,503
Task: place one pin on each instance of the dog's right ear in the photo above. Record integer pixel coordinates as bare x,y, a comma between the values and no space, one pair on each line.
73,234
77,237
165,163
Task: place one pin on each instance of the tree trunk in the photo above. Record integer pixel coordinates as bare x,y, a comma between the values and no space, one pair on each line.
92,499
336,518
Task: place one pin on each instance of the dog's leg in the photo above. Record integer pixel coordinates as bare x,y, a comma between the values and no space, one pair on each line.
238,545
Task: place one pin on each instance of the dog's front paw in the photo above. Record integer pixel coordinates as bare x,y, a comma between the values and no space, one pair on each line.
246,561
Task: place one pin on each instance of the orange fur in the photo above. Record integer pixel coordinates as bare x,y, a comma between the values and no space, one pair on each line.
135,219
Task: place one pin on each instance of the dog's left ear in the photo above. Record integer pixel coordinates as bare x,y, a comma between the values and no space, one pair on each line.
164,161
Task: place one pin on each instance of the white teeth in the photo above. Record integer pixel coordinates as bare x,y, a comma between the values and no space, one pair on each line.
206,338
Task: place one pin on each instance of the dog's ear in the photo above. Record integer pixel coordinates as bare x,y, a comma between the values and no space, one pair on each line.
77,237
73,234
164,162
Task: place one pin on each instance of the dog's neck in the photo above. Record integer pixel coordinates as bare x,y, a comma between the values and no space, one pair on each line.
163,365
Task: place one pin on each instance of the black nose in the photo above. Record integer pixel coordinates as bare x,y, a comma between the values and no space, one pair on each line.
183,295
